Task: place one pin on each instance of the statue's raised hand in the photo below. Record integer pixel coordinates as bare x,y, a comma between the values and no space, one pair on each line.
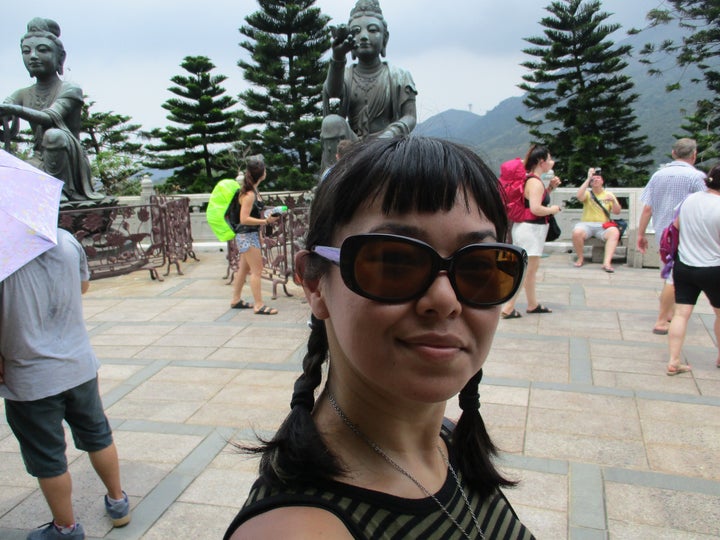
343,41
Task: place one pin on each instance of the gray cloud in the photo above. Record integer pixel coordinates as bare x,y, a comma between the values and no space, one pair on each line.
460,52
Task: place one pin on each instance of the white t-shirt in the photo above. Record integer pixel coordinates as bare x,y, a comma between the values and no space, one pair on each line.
700,230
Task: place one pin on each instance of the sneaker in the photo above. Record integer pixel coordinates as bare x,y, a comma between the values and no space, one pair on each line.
51,532
119,512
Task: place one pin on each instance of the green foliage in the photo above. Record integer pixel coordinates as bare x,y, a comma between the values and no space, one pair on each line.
584,100
114,157
703,126
205,129
700,47
282,116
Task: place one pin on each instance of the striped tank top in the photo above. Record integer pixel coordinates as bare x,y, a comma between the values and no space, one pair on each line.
371,515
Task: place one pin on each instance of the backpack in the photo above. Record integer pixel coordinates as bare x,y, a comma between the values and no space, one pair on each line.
223,209
669,241
512,183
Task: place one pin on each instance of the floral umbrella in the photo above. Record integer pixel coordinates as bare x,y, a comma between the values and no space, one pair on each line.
29,203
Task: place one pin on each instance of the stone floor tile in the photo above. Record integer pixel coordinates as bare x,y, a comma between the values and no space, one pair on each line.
689,413
184,521
676,511
586,449
245,355
159,390
175,352
154,447
111,351
612,405
151,329
220,487
684,460
184,374
176,411
590,423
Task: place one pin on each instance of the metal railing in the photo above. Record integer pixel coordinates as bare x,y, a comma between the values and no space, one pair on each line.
122,239
279,242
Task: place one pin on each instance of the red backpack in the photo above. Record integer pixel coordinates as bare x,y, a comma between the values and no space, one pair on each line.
512,182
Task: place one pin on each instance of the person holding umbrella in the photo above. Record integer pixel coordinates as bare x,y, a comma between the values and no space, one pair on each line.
48,370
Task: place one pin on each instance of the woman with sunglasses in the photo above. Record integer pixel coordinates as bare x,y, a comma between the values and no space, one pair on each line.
405,277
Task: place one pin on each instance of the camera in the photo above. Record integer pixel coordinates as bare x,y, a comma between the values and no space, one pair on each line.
598,170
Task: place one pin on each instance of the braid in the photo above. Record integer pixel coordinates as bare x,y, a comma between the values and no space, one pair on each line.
297,452
471,443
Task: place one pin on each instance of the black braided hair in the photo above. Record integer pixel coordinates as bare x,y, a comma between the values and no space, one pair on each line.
471,443
297,453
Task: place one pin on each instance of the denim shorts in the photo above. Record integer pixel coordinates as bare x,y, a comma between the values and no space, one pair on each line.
591,229
38,427
247,240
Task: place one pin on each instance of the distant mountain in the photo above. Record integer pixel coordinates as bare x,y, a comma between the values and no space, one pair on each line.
497,136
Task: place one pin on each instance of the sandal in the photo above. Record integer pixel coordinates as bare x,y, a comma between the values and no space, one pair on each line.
514,314
540,309
609,269
677,370
242,304
265,310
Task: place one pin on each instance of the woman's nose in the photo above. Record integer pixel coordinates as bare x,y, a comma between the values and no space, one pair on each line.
440,297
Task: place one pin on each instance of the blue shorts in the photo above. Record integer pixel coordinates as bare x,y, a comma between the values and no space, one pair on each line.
38,427
690,281
245,241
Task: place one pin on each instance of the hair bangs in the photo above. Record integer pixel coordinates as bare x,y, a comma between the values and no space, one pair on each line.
407,174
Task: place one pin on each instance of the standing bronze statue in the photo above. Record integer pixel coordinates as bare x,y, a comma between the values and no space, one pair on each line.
376,99
53,108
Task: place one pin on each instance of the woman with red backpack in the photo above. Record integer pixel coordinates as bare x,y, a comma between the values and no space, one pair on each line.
530,233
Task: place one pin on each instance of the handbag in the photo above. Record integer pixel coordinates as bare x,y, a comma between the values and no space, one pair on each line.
669,241
554,230
619,223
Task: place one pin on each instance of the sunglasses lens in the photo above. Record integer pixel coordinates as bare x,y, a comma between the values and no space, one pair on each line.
487,276
392,270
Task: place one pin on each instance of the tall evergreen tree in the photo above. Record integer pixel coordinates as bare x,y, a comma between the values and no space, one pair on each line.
701,48
286,41
585,102
207,128
113,146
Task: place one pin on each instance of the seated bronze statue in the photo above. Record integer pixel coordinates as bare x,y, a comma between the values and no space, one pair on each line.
53,109
375,98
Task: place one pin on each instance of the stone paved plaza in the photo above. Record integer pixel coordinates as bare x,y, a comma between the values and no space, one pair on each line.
604,443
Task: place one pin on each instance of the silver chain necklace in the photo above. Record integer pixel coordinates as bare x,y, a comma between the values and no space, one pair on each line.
374,446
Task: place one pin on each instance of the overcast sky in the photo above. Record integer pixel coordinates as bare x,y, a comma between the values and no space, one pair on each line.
463,54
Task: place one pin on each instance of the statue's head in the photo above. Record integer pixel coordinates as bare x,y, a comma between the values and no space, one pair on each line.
371,8
48,30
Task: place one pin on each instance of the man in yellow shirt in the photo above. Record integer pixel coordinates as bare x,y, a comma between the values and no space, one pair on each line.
597,206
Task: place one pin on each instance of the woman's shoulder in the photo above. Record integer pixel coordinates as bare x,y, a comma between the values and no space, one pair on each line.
293,523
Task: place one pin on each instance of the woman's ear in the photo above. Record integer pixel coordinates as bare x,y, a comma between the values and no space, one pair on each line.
312,286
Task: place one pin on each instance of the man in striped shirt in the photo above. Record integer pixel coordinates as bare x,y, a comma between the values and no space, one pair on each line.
667,188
